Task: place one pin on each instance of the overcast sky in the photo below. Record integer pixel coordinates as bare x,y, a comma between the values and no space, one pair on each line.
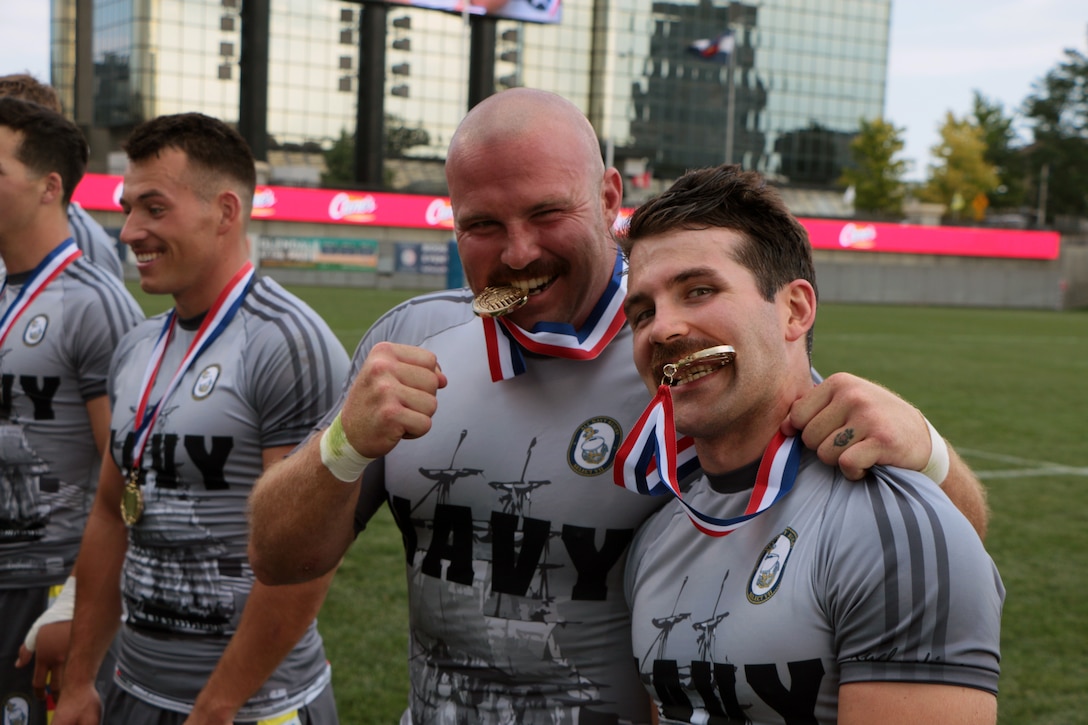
941,51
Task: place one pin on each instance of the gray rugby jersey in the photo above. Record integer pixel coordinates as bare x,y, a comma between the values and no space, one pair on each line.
263,383
55,358
839,582
516,536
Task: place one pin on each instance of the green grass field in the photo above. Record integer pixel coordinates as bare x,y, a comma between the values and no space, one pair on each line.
1008,388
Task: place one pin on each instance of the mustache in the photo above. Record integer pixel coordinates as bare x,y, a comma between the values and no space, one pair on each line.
506,275
672,352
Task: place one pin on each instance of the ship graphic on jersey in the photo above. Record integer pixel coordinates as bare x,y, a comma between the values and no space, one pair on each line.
509,601
23,512
172,577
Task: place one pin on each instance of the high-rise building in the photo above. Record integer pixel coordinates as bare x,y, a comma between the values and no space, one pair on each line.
785,99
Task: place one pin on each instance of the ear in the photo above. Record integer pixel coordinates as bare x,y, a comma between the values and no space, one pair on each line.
52,188
800,308
230,209
611,194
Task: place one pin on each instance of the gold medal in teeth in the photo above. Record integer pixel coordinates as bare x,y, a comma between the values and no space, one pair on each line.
720,355
499,301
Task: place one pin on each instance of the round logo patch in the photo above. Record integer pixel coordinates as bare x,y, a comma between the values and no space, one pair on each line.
770,567
16,710
593,446
35,330
205,382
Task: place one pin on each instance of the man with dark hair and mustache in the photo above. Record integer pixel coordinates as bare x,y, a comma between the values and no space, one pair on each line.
494,414
772,589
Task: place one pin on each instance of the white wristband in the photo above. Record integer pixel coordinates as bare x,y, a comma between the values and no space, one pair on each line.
338,455
939,463
61,610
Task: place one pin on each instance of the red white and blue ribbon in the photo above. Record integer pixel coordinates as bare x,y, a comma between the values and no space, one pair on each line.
652,460
47,270
506,342
215,321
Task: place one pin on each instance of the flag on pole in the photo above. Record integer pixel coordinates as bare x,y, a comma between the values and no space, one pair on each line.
717,50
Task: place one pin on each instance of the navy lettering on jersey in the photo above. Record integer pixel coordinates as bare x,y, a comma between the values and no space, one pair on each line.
126,448
706,678
162,451
41,394
6,382
517,551
675,705
593,564
512,570
797,704
716,685
452,541
210,463
402,514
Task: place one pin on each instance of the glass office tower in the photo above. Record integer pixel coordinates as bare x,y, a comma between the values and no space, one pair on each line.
786,101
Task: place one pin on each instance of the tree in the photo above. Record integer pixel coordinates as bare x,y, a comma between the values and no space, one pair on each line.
398,138
340,161
1001,151
961,173
876,175
1058,112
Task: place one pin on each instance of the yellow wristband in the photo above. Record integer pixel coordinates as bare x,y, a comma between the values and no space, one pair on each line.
338,455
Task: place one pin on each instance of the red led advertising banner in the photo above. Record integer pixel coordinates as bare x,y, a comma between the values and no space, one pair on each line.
290,204
914,239
329,206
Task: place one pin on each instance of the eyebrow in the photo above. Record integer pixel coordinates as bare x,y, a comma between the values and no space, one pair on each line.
633,301
640,298
144,196
544,205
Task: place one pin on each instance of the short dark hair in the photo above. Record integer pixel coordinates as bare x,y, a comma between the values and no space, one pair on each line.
210,145
29,88
776,248
50,142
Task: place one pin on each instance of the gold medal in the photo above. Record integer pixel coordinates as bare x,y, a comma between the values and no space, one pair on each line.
708,359
132,499
499,301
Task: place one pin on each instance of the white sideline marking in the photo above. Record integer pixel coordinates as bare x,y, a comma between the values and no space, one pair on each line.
1027,468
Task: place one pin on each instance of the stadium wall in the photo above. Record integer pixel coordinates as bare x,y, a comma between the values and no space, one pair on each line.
848,276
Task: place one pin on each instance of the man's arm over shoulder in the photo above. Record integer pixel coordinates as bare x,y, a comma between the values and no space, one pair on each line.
856,424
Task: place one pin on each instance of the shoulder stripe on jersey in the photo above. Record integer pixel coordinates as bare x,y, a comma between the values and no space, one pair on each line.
908,526
119,311
462,295
271,305
943,606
